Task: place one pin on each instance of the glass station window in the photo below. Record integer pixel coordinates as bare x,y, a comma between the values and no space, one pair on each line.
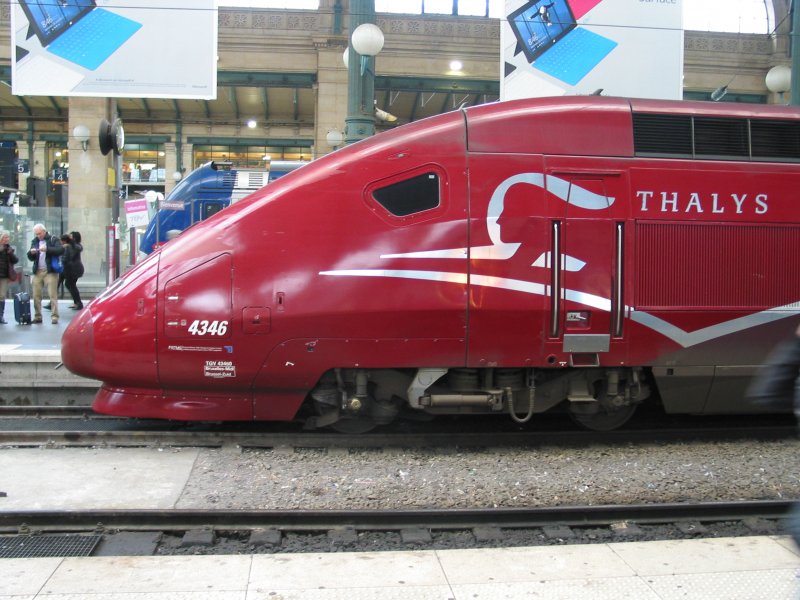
57,175
247,157
143,163
10,167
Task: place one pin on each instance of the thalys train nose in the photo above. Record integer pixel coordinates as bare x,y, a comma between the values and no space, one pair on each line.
77,345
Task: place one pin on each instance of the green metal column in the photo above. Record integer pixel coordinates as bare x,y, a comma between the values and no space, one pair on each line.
795,39
360,121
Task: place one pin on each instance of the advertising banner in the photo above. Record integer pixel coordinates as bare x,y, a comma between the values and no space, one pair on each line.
630,48
114,48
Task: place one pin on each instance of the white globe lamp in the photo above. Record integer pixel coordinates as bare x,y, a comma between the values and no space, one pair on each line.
779,80
367,39
334,138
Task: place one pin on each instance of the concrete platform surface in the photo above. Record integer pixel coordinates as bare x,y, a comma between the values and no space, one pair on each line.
42,339
93,478
755,568
750,568
30,360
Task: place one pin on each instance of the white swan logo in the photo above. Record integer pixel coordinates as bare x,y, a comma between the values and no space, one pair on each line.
499,250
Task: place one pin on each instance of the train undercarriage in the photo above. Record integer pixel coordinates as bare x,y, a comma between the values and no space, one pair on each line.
357,400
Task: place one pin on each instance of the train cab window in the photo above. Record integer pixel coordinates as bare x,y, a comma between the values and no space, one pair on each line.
211,208
410,196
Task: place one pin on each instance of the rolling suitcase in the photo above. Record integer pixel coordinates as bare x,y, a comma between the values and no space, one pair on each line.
22,308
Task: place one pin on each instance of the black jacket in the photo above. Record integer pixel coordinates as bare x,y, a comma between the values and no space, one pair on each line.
73,267
7,260
54,248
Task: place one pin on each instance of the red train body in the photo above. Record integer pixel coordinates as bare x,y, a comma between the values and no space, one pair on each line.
415,270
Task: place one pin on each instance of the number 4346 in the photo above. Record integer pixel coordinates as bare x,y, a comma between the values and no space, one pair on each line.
208,327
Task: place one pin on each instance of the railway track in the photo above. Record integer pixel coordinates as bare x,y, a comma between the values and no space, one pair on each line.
79,426
224,532
389,520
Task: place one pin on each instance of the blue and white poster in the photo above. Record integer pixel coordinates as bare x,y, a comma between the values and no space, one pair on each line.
114,48
630,48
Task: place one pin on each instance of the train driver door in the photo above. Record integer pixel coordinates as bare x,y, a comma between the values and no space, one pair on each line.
195,347
586,289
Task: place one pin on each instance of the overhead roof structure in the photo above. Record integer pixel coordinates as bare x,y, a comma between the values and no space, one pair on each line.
281,68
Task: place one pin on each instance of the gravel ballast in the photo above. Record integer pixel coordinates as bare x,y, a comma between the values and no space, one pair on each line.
493,477
315,479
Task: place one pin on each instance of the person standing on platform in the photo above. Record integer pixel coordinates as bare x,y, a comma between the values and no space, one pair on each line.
7,261
777,386
44,253
73,267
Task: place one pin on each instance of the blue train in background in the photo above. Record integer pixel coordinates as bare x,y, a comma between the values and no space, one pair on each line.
206,191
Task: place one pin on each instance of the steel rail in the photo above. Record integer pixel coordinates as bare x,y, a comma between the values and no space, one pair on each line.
75,437
50,412
386,520
85,412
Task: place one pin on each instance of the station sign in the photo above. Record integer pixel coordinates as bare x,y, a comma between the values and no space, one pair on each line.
136,213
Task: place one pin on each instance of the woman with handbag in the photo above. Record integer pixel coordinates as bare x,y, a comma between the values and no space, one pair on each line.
8,274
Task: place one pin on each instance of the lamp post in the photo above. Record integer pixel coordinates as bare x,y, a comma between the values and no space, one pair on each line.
795,81
366,42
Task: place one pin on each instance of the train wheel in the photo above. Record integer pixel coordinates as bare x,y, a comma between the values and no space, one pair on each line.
330,417
354,425
602,419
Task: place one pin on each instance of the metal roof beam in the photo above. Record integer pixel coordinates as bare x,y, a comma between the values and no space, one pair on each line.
55,105
240,141
446,102
245,79
436,84
25,105
265,103
417,102
234,102
5,77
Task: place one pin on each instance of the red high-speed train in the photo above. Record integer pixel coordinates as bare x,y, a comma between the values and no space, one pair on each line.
582,252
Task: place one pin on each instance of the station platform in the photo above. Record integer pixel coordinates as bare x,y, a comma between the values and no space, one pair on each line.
733,569
43,339
742,568
30,356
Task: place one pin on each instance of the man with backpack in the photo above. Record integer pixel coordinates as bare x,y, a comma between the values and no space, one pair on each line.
45,253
